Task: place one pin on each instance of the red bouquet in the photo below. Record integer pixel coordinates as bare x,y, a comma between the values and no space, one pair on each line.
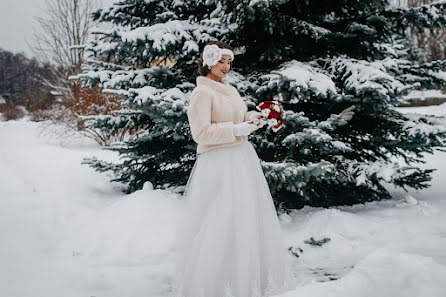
272,113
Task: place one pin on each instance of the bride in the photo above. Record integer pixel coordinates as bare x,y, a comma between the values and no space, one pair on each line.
229,241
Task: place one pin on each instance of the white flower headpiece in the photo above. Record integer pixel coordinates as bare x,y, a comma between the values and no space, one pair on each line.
212,54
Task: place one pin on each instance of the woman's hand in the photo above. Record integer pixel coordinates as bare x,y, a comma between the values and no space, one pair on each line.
244,128
254,115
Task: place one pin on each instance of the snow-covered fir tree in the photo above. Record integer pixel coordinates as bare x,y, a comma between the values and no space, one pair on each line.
340,66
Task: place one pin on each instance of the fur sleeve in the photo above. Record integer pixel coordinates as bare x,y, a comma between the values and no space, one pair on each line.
199,116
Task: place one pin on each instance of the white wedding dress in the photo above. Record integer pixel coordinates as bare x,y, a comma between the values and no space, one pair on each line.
229,241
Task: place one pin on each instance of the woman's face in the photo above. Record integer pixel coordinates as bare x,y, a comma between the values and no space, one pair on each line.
222,67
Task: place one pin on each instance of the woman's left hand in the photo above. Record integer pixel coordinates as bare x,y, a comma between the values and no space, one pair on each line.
254,115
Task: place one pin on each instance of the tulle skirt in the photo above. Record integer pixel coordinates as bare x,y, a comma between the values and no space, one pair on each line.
229,241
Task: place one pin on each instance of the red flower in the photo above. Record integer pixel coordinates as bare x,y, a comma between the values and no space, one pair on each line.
272,107
273,115
265,104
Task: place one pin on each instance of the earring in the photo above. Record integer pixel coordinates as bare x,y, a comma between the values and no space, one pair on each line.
209,67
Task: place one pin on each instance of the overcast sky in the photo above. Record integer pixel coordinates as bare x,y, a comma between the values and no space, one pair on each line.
17,19
16,23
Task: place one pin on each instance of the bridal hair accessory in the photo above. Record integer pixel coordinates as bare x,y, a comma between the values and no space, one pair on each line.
212,54
272,113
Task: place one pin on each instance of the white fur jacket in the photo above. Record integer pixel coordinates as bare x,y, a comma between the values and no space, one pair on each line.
213,110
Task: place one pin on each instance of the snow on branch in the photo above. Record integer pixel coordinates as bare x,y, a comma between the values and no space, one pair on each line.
357,28
294,177
441,75
158,103
369,173
91,78
424,124
338,119
126,78
303,27
362,77
171,34
298,77
315,137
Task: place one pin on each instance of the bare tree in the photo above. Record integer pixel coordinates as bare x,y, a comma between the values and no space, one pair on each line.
432,40
63,31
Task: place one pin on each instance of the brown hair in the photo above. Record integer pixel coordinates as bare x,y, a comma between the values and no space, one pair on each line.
203,70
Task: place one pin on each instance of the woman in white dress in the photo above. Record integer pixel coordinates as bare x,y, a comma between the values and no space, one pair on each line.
229,241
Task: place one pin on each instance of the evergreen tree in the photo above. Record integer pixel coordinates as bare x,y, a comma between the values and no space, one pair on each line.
133,58
327,59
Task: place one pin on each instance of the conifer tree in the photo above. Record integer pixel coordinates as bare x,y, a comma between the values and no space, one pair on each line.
134,58
340,66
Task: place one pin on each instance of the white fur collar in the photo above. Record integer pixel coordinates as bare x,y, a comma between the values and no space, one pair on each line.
222,86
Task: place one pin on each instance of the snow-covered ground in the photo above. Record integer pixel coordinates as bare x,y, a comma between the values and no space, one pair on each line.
424,94
66,231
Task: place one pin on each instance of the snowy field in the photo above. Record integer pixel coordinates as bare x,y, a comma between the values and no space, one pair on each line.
66,231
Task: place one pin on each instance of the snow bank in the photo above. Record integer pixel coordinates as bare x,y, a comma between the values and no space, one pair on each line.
383,273
124,231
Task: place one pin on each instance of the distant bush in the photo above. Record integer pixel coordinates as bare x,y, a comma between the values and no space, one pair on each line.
11,111
84,102
43,109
